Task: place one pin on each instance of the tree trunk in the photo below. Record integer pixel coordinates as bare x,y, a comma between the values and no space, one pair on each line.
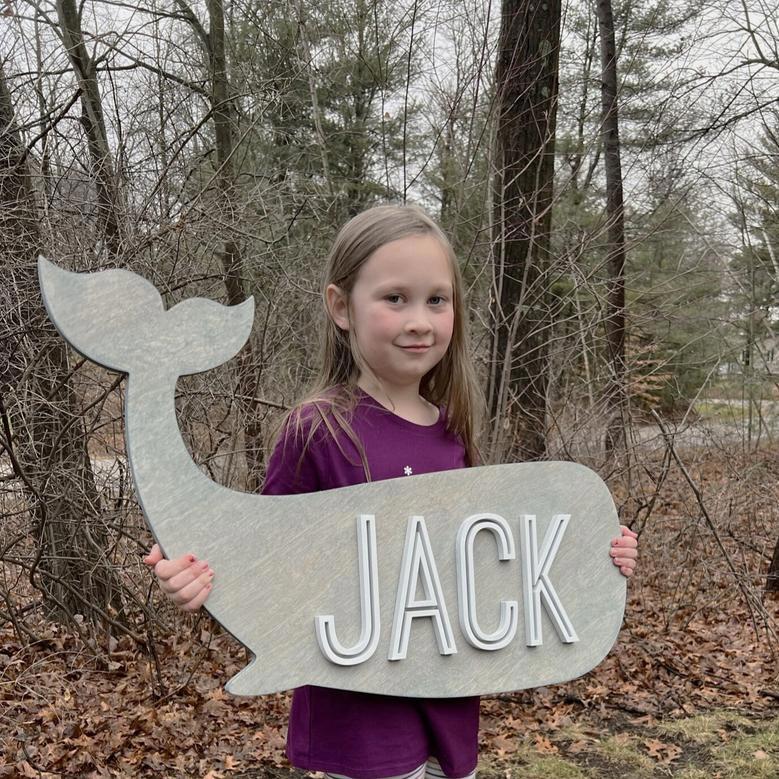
772,579
616,397
231,257
42,429
526,83
94,124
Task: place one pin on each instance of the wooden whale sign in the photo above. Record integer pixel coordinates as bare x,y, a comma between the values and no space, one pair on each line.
457,583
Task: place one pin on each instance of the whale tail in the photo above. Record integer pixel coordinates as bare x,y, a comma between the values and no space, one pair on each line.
117,319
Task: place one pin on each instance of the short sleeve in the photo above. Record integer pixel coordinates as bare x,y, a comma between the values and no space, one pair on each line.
291,467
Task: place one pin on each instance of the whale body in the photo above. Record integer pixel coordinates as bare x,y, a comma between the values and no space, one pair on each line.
385,587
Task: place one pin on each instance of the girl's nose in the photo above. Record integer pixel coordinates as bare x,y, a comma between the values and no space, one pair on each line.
418,322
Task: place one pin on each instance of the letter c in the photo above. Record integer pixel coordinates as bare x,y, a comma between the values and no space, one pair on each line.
466,585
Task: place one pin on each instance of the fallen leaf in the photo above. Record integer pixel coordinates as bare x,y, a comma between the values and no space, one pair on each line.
545,746
662,752
504,745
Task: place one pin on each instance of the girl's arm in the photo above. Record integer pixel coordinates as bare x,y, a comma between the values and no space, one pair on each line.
624,551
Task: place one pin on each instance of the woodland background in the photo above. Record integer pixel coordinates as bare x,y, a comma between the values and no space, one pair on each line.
608,175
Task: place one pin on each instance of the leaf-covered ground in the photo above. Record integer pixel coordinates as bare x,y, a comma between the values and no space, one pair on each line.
690,689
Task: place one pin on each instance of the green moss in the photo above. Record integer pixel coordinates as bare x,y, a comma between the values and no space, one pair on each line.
736,412
752,755
725,744
531,766
625,751
704,728
692,773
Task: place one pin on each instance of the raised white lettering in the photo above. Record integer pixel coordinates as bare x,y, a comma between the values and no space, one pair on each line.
418,567
466,582
536,583
370,625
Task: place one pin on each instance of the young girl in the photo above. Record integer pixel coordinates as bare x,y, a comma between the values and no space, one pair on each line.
396,396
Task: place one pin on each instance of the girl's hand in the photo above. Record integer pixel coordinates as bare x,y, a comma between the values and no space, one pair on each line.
186,581
624,551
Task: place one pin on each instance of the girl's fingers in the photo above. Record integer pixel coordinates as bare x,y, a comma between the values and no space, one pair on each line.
198,600
626,565
624,551
192,593
166,569
184,578
154,556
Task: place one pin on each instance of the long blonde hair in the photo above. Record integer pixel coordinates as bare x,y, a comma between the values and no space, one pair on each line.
451,383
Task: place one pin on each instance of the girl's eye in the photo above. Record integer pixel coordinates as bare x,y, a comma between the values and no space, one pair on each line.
437,300
393,298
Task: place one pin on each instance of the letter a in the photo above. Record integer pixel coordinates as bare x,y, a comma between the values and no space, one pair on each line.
418,567
370,626
536,584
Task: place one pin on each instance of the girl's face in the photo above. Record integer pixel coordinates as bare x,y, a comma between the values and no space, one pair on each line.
400,310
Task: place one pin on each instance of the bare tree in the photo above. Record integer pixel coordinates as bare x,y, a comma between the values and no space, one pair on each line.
526,111
42,424
616,397
772,577
231,256
93,122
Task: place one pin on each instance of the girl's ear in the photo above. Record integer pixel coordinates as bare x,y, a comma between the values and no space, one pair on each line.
337,306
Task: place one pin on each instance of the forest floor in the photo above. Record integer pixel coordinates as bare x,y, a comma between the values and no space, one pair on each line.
690,689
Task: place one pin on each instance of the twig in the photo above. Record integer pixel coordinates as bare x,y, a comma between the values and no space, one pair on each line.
699,498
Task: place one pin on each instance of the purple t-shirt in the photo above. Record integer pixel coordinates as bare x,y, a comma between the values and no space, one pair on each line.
362,735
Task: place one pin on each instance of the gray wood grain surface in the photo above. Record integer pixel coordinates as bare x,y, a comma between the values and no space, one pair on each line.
282,561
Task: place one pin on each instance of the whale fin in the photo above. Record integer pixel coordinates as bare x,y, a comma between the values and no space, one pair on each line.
117,318
249,681
212,333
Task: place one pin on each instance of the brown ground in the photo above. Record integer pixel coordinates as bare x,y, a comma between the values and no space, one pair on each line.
689,690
